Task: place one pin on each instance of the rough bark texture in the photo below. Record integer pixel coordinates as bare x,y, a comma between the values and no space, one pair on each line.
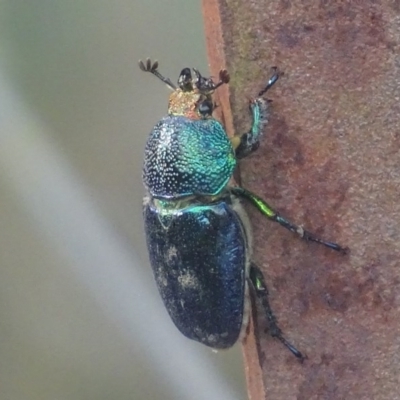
330,160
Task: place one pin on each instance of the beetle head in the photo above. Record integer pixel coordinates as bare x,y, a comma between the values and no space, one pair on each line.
193,97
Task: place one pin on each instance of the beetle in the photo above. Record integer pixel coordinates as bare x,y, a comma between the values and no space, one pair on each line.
198,234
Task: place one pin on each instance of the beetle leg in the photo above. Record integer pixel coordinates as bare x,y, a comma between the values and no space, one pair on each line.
261,290
248,142
271,82
270,213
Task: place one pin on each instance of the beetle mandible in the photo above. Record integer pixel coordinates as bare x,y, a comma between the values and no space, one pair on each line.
198,235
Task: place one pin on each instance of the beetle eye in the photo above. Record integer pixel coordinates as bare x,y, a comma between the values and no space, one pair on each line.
185,80
206,108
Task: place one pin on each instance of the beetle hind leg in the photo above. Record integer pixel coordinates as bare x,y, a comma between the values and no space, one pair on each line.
260,288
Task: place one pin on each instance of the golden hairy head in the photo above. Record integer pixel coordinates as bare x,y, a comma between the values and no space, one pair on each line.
193,96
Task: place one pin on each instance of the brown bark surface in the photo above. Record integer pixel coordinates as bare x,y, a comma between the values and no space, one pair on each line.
329,160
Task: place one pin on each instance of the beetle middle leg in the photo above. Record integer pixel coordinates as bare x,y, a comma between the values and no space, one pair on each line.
248,142
271,214
258,283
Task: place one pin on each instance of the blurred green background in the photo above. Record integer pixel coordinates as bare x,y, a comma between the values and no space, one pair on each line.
80,316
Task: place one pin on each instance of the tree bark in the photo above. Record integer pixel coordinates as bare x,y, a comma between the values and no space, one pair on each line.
329,160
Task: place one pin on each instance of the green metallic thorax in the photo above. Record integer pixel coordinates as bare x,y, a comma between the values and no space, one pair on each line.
186,157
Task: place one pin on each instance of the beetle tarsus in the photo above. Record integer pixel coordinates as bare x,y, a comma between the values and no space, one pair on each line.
306,235
292,349
271,81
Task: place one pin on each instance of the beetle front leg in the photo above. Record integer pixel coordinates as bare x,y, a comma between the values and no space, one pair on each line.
261,291
260,109
270,213
248,142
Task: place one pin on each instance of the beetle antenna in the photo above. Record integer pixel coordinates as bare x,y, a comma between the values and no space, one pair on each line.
223,78
152,68
272,80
